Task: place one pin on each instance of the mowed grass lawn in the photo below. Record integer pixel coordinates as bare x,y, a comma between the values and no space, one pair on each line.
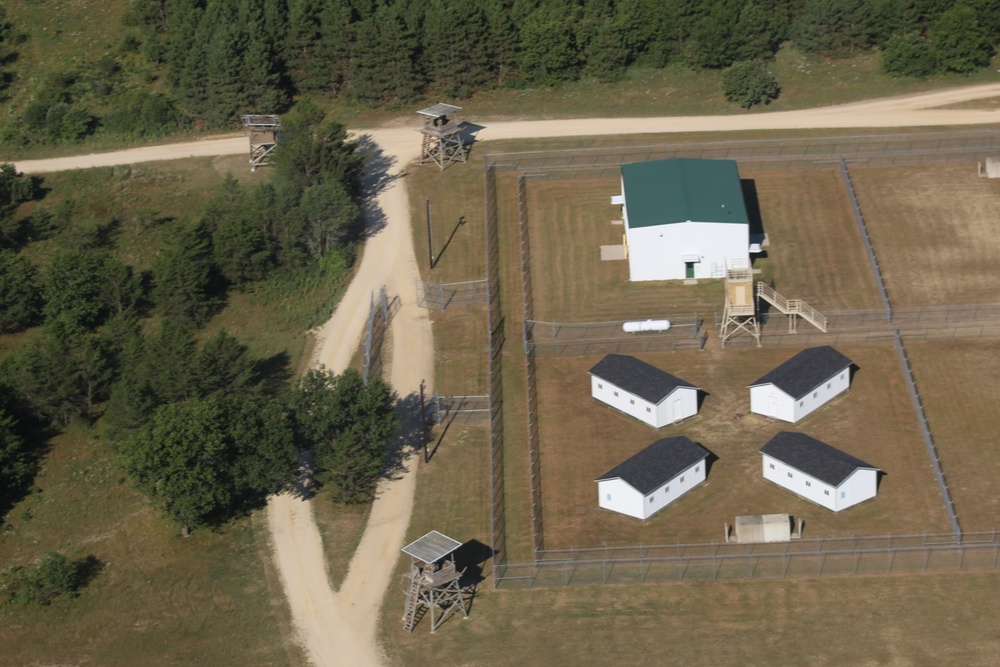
815,250
934,231
582,439
959,382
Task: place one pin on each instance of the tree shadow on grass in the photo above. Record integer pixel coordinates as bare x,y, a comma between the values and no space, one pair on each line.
273,373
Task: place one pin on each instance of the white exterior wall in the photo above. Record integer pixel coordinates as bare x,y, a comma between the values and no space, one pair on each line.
628,403
625,499
679,404
617,496
649,413
800,483
770,401
857,488
657,253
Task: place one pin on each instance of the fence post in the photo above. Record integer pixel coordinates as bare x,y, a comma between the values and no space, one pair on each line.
423,423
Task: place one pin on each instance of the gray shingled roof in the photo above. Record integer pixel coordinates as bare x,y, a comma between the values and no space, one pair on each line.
657,464
805,371
637,377
809,455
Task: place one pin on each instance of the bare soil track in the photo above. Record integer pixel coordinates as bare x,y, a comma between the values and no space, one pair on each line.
339,628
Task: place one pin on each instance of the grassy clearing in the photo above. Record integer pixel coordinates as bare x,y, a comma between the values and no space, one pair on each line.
582,439
904,620
815,251
933,229
959,382
341,527
160,596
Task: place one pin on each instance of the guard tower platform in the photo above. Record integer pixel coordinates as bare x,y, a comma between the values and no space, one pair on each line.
443,142
263,132
433,582
741,309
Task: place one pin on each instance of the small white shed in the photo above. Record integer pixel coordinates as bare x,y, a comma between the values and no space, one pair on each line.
684,218
801,385
652,479
818,472
642,391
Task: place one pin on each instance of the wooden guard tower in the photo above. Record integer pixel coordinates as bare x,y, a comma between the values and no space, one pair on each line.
741,308
443,142
433,581
264,132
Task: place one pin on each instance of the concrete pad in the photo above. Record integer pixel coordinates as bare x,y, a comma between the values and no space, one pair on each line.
612,252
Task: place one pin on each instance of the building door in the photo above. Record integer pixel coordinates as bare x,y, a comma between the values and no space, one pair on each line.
689,270
678,412
772,405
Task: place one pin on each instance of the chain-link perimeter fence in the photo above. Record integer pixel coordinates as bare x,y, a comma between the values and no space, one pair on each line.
465,410
441,296
565,339
378,325
873,150
495,319
828,557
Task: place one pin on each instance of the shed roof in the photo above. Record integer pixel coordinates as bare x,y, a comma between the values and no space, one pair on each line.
817,459
663,192
657,464
805,371
431,547
439,110
637,377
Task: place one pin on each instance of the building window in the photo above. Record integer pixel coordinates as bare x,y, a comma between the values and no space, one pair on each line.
632,401
600,386
815,394
609,496
801,403
843,494
649,409
826,492
697,468
841,376
772,465
651,499
616,393
828,385
682,479
808,483
666,489
789,474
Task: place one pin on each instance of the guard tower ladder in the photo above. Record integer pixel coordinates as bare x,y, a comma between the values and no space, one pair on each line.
412,600
791,307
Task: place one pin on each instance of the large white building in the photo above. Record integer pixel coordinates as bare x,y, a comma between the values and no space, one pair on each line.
801,385
818,472
684,218
642,391
652,479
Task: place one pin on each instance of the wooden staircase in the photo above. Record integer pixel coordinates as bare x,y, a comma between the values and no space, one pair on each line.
791,307
412,600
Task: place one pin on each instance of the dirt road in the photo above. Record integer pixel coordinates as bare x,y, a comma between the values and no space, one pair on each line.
339,628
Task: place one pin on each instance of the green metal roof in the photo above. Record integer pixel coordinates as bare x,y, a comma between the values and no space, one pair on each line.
662,192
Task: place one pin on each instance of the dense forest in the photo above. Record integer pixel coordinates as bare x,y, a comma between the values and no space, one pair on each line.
202,427
217,59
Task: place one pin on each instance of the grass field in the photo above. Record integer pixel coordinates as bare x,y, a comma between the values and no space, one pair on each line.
815,250
159,598
581,439
959,382
933,228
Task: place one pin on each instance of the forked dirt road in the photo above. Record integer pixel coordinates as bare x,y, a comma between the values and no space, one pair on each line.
338,628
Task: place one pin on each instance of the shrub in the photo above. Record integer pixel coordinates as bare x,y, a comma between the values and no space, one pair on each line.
749,82
908,55
53,576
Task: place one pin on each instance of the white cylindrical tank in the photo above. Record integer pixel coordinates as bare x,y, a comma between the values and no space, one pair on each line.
646,325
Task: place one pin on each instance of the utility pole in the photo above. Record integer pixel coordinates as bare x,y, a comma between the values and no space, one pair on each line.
423,422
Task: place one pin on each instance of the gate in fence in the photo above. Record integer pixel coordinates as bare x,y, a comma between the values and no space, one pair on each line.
440,296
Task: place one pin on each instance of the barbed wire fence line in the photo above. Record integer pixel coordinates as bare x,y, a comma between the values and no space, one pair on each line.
824,557
928,323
